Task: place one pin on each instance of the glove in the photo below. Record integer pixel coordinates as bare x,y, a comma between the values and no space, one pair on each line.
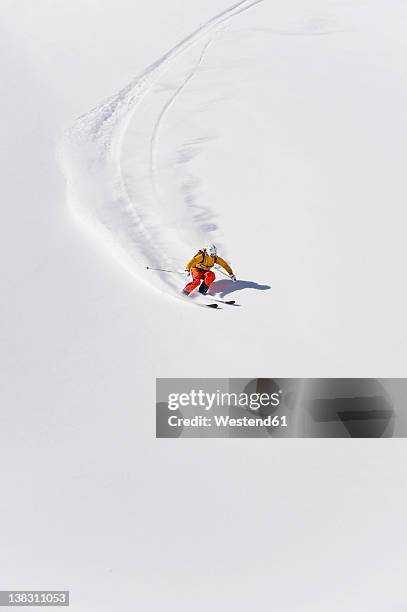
233,277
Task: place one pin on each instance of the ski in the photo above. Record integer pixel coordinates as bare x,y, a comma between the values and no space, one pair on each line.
196,300
228,302
199,296
196,303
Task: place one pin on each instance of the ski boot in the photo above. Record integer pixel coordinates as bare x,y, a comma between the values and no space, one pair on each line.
203,289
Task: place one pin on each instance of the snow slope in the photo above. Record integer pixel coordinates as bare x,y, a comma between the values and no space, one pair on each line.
137,218
281,134
290,101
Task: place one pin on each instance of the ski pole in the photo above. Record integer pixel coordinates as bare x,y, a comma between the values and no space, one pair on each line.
222,272
162,270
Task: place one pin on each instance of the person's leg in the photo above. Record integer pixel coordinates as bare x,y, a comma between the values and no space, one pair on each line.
197,276
209,277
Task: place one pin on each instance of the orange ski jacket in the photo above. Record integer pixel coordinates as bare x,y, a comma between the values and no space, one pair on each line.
203,261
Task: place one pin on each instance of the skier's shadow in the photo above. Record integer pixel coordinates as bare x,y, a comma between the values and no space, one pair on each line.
225,287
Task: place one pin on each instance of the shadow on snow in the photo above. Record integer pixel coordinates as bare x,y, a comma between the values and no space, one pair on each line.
225,287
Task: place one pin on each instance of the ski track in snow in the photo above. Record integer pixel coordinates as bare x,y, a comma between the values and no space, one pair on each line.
90,154
161,116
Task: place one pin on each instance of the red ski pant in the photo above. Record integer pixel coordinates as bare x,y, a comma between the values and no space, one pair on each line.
200,275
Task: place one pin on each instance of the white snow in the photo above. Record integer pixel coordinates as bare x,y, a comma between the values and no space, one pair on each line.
278,131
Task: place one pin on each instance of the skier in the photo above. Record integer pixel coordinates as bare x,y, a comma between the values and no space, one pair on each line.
200,268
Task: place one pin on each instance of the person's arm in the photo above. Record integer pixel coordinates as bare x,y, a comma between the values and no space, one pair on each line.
193,261
224,265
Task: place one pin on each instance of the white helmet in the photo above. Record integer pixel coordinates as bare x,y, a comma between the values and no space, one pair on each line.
211,250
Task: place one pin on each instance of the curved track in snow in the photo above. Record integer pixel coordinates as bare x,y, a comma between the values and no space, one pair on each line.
162,114
91,158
